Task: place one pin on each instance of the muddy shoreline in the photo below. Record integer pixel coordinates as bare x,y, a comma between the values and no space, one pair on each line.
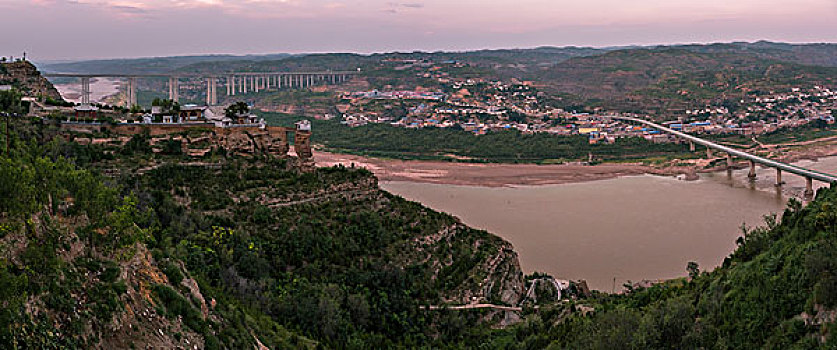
492,175
507,175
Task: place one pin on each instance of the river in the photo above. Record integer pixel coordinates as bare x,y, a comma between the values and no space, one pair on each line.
100,88
612,231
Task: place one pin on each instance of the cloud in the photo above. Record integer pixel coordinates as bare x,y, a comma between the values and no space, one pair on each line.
397,7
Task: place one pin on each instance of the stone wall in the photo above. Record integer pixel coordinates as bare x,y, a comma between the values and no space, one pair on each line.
235,140
302,144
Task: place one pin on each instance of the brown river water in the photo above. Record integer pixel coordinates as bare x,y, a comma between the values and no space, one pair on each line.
612,231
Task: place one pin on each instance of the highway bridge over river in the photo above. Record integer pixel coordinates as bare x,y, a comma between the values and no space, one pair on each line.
808,174
236,82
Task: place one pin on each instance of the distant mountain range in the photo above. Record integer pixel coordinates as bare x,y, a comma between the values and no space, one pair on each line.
652,79
146,65
824,54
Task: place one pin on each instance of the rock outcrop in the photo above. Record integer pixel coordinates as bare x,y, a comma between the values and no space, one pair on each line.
26,77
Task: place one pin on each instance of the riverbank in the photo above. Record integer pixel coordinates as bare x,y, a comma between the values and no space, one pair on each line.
506,174
493,174
100,89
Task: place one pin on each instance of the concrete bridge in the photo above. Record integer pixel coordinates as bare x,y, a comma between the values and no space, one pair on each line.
235,82
808,174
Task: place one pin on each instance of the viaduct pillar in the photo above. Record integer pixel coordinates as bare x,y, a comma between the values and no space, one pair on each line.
691,146
208,92
752,173
729,161
708,153
85,90
779,181
809,187
174,89
132,92
211,93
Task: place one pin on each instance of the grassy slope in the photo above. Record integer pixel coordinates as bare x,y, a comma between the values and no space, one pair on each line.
669,80
508,146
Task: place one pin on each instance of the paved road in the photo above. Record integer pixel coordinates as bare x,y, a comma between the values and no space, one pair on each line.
804,172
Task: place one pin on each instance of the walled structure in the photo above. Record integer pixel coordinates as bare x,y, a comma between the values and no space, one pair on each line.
199,139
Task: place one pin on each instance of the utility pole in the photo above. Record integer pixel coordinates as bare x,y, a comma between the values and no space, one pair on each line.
8,116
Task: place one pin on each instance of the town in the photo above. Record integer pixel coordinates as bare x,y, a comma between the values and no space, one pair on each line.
480,105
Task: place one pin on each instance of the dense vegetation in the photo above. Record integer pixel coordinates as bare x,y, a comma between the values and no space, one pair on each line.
504,146
778,290
277,255
296,259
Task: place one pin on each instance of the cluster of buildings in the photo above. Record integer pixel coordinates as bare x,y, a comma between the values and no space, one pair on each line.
396,95
481,106
472,104
186,115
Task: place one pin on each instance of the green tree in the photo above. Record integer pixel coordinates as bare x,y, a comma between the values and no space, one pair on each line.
10,102
693,269
236,109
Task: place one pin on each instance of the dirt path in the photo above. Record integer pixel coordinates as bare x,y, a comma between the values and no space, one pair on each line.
476,306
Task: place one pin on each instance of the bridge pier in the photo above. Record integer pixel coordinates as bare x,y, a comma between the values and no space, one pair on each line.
752,173
729,161
211,94
779,181
809,187
132,92
85,90
708,153
691,146
174,89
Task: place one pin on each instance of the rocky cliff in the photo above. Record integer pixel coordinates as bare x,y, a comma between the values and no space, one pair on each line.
226,252
26,77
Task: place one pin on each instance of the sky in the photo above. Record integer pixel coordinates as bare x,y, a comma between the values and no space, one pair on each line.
86,29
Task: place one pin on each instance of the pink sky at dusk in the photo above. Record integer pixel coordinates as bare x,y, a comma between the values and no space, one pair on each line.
71,29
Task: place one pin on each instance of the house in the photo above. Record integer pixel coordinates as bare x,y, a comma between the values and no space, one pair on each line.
303,125
86,111
194,114
219,120
246,118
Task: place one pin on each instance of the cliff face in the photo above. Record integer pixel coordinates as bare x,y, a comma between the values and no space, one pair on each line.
28,79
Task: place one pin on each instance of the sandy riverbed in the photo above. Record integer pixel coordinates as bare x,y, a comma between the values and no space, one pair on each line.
100,89
500,175
490,175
